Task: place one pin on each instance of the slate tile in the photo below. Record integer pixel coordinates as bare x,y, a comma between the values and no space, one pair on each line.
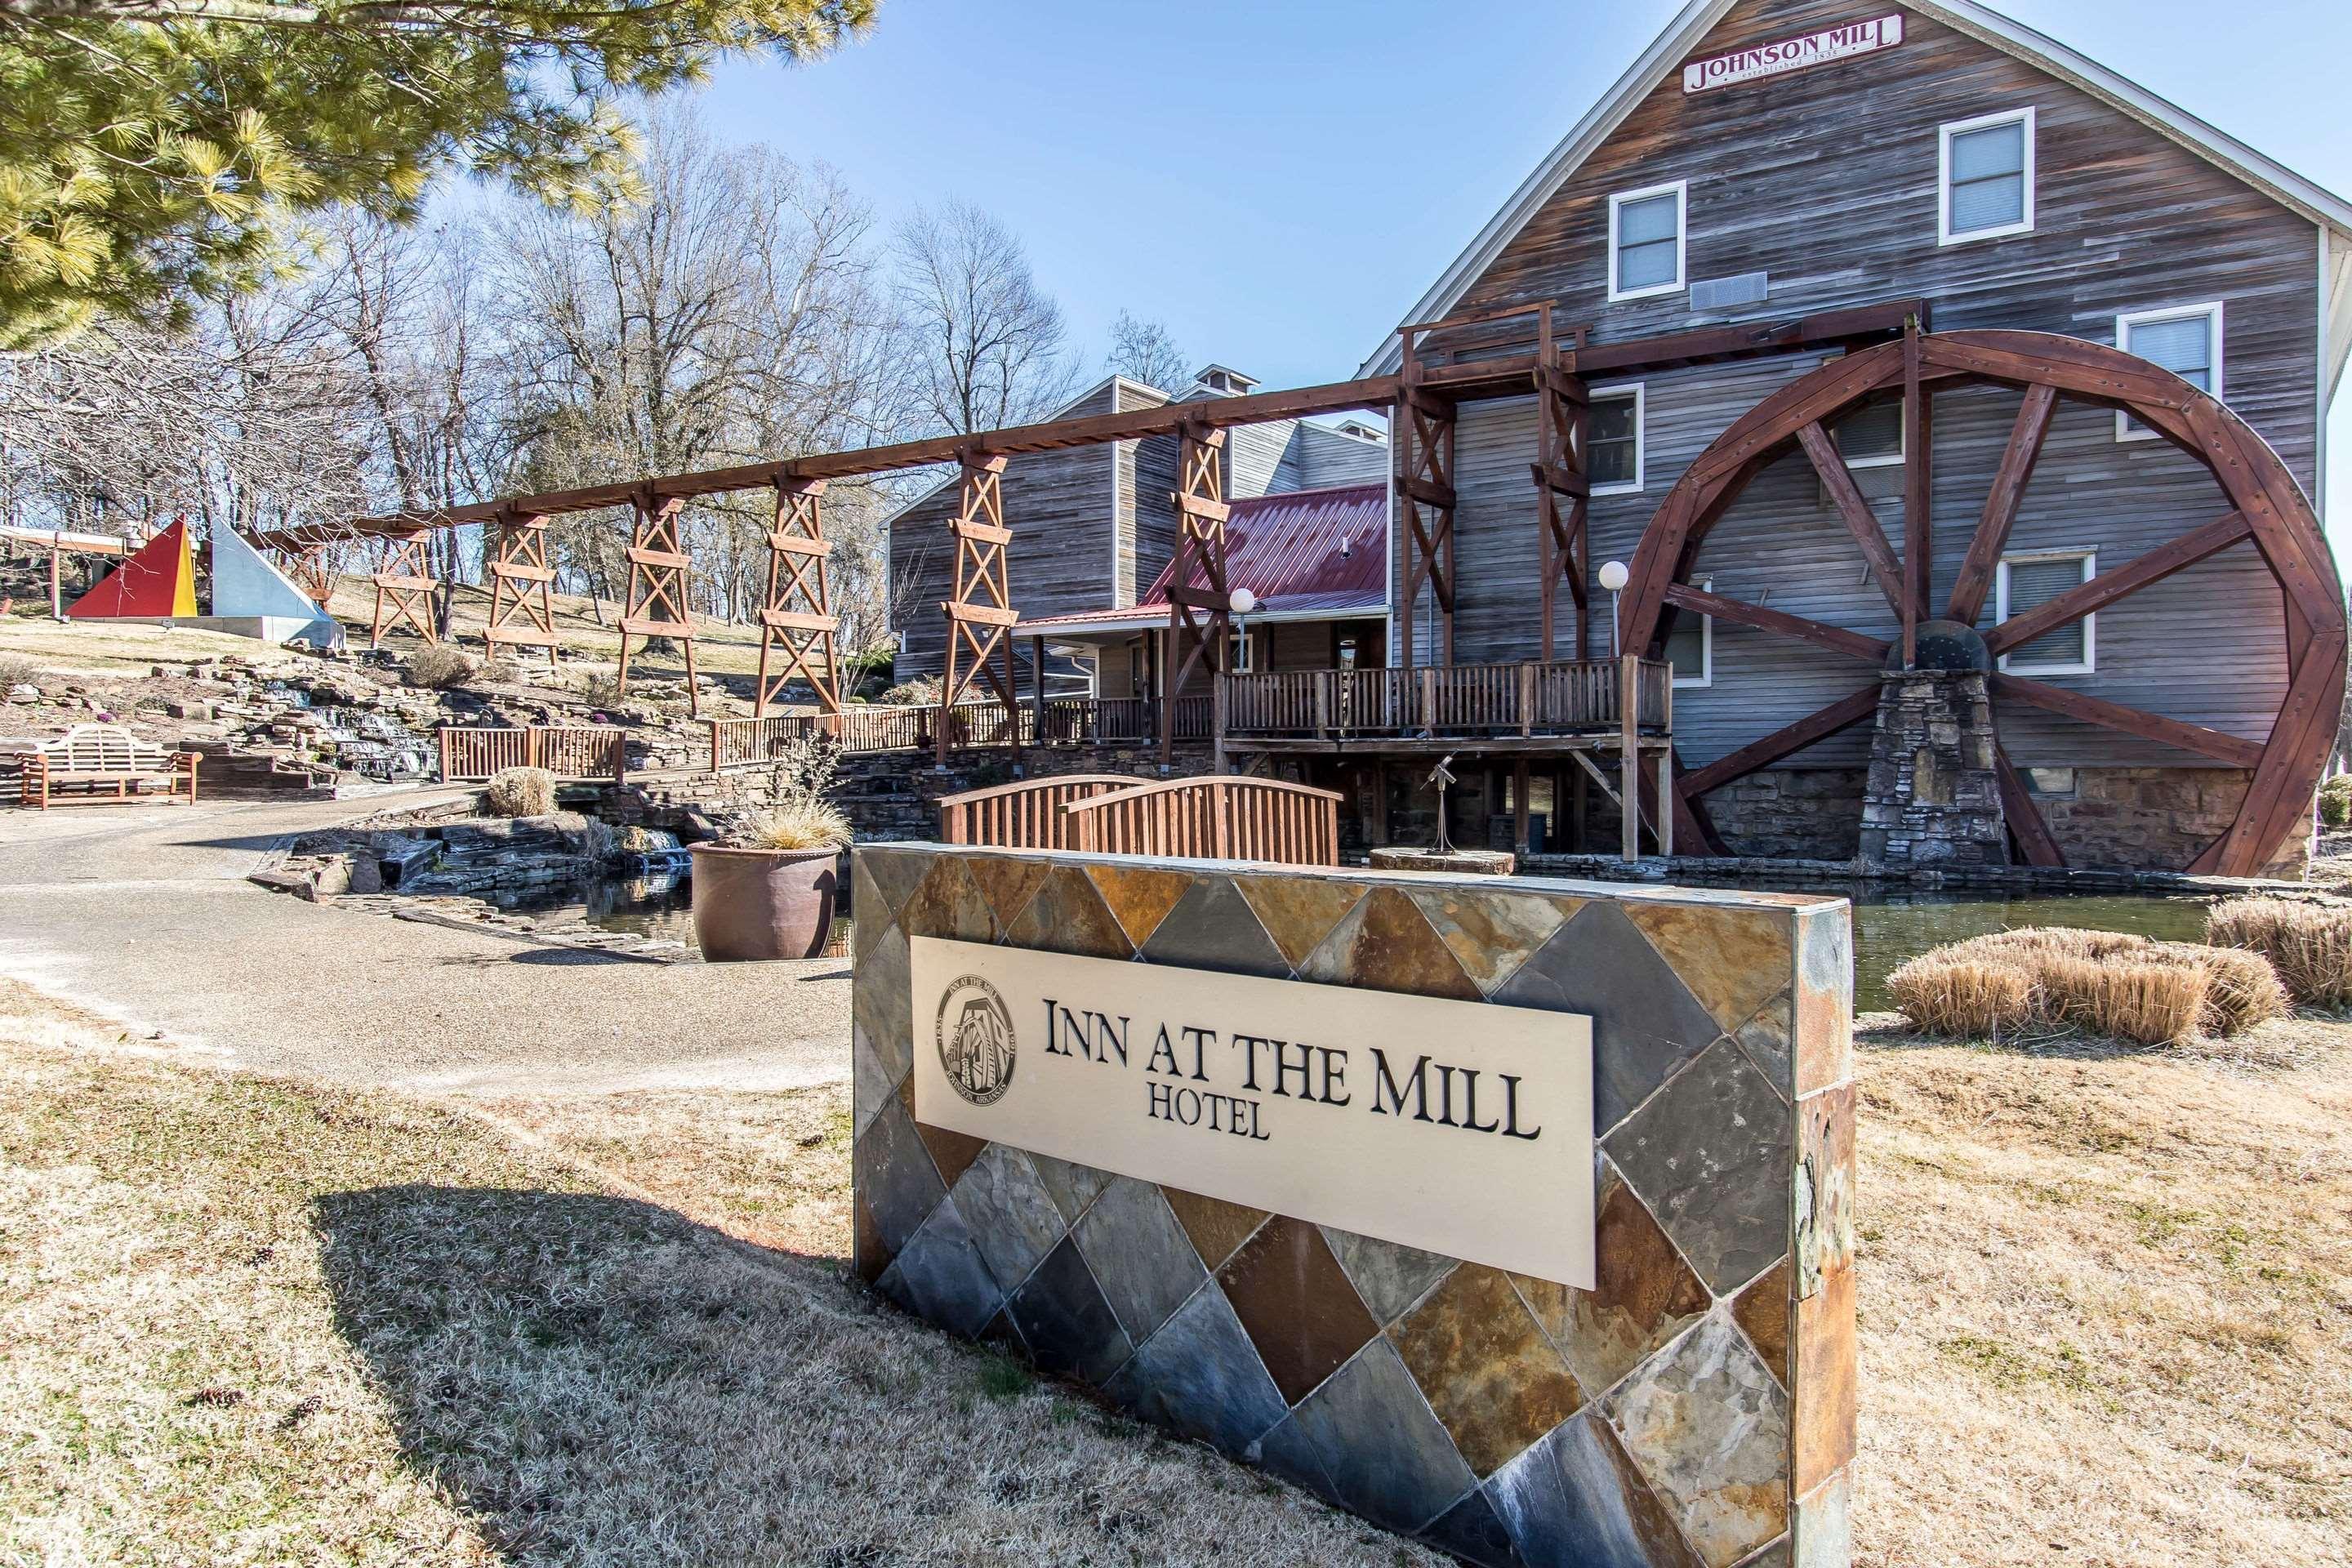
870,914
895,870
1213,927
1298,913
1491,933
870,1083
942,1276
1775,1556
1645,1022
1761,1310
1387,1276
1709,1157
1471,1531
1289,1453
866,1249
1824,1531
1139,1255
952,1152
896,1177
1139,897
1766,1037
1709,1427
1385,943
882,1004
1199,1376
1294,1301
1387,1457
1216,1226
1073,1186
948,903
1007,881
1732,960
1069,916
1824,1003
1485,1368
1013,1216
1822,1195
1824,1357
1644,1293
1069,1328
1577,1501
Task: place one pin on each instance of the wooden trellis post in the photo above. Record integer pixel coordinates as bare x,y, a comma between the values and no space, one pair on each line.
981,616
798,619
522,613
1197,583
657,602
401,582
1423,442
1562,541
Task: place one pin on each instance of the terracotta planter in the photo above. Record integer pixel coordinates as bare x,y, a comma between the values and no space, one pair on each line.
763,903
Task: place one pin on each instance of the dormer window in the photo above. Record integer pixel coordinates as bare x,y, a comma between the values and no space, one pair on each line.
1225,381
1645,241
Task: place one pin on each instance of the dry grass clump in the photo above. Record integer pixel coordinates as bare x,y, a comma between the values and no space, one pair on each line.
2310,945
439,667
15,669
2109,984
520,792
791,824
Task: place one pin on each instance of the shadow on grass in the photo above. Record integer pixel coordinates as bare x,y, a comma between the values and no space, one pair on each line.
600,1380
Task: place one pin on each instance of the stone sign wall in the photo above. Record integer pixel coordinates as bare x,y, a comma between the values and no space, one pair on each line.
1695,1407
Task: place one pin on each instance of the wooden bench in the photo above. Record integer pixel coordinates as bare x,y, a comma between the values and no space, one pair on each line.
97,763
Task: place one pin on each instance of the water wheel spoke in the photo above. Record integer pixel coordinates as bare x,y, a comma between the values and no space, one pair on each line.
2133,575
1854,512
2025,823
1840,714
2197,738
2017,462
1699,601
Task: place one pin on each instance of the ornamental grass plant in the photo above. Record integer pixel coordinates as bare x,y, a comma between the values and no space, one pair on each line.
2055,980
2309,945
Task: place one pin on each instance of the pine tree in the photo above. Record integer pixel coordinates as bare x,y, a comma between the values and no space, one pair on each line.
153,152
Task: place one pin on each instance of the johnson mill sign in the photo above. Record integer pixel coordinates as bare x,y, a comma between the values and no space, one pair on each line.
1392,1115
1785,55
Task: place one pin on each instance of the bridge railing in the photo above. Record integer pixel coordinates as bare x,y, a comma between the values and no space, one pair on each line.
567,751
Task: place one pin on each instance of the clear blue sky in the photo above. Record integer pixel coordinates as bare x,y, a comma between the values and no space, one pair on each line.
1280,180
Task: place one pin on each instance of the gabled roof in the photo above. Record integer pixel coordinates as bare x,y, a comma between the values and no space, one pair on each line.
1302,553
1682,36
1113,381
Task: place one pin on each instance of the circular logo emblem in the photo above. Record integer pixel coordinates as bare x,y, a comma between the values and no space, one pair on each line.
974,1032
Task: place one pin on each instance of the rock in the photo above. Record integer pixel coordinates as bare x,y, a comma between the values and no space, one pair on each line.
24,691
365,875
189,710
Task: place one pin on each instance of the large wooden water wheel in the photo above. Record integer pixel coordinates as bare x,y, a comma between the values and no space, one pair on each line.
2261,505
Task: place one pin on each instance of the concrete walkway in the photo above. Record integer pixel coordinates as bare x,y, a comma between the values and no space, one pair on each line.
142,913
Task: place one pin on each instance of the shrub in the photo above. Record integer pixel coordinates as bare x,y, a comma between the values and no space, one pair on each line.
923,691
601,687
520,792
439,667
501,671
15,669
2336,802
2097,982
2310,945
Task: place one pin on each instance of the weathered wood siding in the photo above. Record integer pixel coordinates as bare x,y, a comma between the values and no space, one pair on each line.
1146,476
1828,180
1062,507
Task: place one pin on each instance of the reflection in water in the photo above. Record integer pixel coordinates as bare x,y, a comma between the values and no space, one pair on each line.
653,903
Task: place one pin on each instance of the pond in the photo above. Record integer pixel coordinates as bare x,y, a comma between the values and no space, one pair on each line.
657,904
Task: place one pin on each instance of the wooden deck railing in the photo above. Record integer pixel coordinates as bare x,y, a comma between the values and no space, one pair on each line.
567,751
1527,698
1024,815
865,727
1220,818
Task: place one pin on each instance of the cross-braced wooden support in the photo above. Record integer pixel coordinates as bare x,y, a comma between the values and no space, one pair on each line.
657,602
1199,603
1423,442
981,616
797,626
522,612
1562,488
402,580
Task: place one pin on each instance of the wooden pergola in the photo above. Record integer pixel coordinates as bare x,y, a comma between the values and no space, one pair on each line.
62,543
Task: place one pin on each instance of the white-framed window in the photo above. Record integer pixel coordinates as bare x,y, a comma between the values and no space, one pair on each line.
1613,439
1871,437
1646,231
1984,187
1237,652
1690,647
2030,581
2185,340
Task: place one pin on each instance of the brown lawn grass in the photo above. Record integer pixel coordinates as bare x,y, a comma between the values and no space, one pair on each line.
2106,1320
719,649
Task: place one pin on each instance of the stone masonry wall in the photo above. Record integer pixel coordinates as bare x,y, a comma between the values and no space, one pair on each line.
2158,817
1792,814
1932,797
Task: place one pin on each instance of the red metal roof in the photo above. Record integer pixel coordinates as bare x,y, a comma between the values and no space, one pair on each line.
1301,552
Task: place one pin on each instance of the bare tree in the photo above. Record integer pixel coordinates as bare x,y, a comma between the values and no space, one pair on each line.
1147,351
986,341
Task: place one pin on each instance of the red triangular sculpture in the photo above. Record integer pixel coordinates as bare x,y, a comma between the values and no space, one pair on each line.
157,580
